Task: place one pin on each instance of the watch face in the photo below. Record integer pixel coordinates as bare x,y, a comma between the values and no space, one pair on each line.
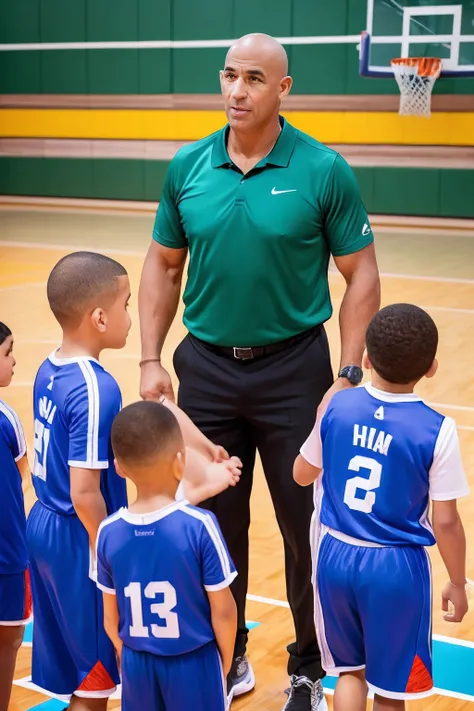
353,373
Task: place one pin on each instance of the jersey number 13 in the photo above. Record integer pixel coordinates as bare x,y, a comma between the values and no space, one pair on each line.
164,610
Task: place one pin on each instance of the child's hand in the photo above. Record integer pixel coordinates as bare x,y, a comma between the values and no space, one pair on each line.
224,474
457,596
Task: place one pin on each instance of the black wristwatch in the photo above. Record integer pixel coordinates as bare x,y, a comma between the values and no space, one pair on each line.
353,373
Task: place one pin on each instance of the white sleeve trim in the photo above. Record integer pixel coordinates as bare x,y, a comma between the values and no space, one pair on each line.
214,536
220,586
447,477
88,465
93,421
105,589
12,417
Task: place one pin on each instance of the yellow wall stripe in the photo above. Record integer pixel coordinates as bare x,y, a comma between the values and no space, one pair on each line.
447,129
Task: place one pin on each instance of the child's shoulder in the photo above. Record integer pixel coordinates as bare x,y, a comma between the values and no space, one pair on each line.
75,377
110,523
200,518
8,417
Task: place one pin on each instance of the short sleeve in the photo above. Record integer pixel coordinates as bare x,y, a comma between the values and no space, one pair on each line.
168,229
13,432
312,449
217,566
346,223
90,410
104,574
447,477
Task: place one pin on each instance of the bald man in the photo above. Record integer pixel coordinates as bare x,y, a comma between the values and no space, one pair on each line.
259,207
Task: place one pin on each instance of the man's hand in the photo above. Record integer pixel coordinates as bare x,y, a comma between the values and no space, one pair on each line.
155,382
457,595
216,453
339,384
221,475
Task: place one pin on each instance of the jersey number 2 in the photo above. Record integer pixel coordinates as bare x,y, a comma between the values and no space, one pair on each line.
41,444
365,504
170,630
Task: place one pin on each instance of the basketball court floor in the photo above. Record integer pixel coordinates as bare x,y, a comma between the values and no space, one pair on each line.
433,268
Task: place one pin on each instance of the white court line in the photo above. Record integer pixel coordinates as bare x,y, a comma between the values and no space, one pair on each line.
461,408
72,248
414,277
448,309
134,253
17,287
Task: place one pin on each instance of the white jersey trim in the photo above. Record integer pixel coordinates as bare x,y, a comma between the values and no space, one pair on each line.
150,517
220,586
92,456
353,541
88,465
402,696
12,418
391,397
105,589
68,361
215,538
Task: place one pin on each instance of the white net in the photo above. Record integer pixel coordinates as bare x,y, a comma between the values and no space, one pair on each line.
416,78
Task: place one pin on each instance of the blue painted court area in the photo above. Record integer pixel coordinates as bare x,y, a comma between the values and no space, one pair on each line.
452,664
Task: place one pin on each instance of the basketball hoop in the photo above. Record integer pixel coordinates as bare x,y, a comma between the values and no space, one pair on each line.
415,78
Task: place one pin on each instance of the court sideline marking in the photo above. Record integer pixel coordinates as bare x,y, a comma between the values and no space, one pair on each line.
135,253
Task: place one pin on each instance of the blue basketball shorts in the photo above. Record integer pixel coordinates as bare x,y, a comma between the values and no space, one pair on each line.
71,651
373,612
188,681
15,599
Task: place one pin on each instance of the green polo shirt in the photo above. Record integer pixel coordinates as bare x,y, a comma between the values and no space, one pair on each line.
259,244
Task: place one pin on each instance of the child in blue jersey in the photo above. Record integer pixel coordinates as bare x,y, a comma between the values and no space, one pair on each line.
15,597
165,573
75,403
385,454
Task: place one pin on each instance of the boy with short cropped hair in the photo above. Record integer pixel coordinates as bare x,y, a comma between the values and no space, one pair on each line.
165,572
385,455
75,403
15,596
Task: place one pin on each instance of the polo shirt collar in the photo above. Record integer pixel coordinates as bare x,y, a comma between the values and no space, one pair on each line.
279,155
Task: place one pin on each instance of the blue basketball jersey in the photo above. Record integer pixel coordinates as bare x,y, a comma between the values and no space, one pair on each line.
383,456
160,566
75,403
13,553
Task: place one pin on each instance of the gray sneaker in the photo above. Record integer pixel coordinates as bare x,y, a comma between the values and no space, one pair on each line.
305,695
241,678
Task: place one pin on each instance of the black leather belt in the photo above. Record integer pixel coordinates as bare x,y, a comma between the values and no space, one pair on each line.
252,352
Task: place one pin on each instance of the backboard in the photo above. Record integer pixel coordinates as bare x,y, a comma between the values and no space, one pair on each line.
414,28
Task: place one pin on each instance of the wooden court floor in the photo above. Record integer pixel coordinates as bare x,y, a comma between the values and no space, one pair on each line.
434,269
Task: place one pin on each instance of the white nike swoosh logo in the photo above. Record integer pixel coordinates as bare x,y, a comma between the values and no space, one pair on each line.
280,192
366,230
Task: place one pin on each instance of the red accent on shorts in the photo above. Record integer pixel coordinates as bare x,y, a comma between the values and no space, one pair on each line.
98,679
28,601
420,679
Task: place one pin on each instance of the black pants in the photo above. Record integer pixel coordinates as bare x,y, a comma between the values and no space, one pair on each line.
267,404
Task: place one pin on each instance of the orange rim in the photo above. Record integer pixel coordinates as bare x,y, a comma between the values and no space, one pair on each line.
427,66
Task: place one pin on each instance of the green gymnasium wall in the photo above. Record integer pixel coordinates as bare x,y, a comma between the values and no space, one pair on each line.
435,192
317,69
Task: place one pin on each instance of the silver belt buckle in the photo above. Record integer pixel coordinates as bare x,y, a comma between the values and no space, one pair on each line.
243,353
